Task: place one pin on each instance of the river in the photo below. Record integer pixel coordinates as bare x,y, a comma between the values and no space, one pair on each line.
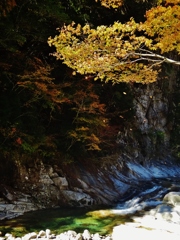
146,197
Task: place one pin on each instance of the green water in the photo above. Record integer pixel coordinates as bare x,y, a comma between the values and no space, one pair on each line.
61,219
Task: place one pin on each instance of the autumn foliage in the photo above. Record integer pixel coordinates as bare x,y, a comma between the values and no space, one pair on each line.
122,52
111,3
6,6
163,26
55,109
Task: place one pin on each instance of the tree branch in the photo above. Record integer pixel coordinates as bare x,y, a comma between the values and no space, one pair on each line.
159,57
146,55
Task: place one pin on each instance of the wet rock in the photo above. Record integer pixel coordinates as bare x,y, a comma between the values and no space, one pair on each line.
78,198
22,203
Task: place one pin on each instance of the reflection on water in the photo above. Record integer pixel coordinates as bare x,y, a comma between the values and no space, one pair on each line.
62,219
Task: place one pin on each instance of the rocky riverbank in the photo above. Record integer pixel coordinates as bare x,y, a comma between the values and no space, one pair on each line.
45,235
80,186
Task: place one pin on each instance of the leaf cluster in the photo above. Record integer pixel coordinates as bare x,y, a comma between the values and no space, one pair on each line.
111,3
121,52
163,24
109,53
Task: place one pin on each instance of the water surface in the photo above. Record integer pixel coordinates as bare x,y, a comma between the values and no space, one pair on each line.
59,220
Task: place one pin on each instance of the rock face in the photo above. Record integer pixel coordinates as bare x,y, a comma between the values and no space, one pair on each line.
14,203
85,187
41,185
148,135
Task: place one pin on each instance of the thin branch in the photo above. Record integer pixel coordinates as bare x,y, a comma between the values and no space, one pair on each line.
155,55
148,56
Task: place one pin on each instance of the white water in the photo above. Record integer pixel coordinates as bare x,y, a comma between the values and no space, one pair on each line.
140,202
147,185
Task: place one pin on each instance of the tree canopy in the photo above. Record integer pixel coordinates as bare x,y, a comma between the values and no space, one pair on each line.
57,110
122,52
46,110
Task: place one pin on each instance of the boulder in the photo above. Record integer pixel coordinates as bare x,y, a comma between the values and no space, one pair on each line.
86,235
29,236
172,198
96,236
166,212
71,234
60,182
78,198
42,233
